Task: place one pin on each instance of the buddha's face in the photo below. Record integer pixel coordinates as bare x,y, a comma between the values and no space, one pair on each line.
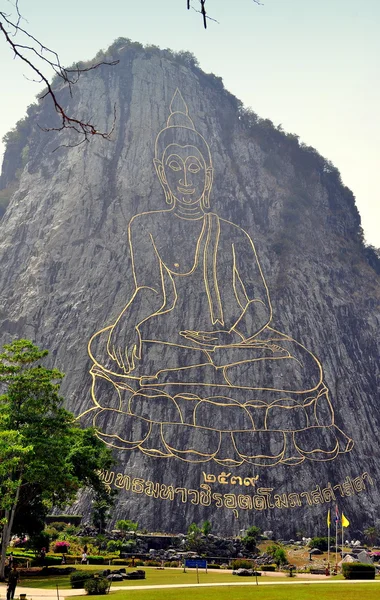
183,170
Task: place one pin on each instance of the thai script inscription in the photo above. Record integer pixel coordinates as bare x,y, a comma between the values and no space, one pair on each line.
265,497
223,478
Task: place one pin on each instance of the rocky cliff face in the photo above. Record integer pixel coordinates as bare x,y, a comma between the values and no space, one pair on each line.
271,431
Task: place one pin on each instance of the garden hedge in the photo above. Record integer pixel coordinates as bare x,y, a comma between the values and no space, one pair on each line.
358,571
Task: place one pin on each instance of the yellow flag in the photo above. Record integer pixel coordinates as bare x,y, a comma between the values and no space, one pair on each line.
345,521
328,518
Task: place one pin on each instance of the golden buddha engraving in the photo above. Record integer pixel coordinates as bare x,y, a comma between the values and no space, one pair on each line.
192,368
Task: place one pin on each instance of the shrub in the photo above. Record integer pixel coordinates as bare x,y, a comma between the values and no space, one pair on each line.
268,568
167,563
251,538
97,585
114,545
121,561
61,547
154,563
213,566
48,561
21,560
58,525
78,579
321,543
278,554
173,563
128,546
72,530
95,560
127,525
242,563
139,563
71,559
358,571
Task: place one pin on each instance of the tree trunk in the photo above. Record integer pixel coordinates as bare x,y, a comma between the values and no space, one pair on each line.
7,531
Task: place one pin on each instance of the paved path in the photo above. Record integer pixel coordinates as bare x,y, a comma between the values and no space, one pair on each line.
51,594
251,583
35,593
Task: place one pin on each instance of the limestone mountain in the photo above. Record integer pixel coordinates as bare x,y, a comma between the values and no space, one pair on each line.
203,282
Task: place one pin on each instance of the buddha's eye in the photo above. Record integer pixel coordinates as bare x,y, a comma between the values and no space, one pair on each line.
194,167
174,165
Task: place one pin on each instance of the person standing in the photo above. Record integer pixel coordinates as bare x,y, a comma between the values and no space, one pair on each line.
13,579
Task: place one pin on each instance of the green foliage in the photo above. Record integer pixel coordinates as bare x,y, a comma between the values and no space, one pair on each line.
58,525
206,528
126,525
242,563
38,541
321,543
194,538
78,579
45,458
114,545
358,571
268,568
129,546
251,538
97,585
50,561
278,554
101,507
371,534
95,560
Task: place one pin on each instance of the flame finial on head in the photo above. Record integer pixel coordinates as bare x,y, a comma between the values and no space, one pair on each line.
179,113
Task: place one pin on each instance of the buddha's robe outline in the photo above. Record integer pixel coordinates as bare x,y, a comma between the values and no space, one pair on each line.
240,305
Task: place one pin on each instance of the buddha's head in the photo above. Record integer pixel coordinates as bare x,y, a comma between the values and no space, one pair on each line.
182,159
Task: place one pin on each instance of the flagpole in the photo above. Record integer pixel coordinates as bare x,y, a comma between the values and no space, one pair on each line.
342,537
328,539
336,544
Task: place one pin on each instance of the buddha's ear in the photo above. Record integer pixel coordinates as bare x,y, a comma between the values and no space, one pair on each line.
209,178
161,176
160,171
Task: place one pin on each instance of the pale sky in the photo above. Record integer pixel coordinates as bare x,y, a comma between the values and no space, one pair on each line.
312,66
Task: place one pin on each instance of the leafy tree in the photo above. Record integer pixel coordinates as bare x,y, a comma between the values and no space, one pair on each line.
127,525
278,554
114,545
38,541
194,538
371,534
101,508
251,538
45,458
206,528
321,543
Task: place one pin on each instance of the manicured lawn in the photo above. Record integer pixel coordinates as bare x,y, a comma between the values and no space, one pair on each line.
153,577
365,591
63,582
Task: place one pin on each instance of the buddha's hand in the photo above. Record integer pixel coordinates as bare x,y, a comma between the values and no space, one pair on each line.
124,346
213,339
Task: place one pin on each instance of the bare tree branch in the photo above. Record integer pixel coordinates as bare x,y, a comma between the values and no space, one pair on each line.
205,16
10,30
